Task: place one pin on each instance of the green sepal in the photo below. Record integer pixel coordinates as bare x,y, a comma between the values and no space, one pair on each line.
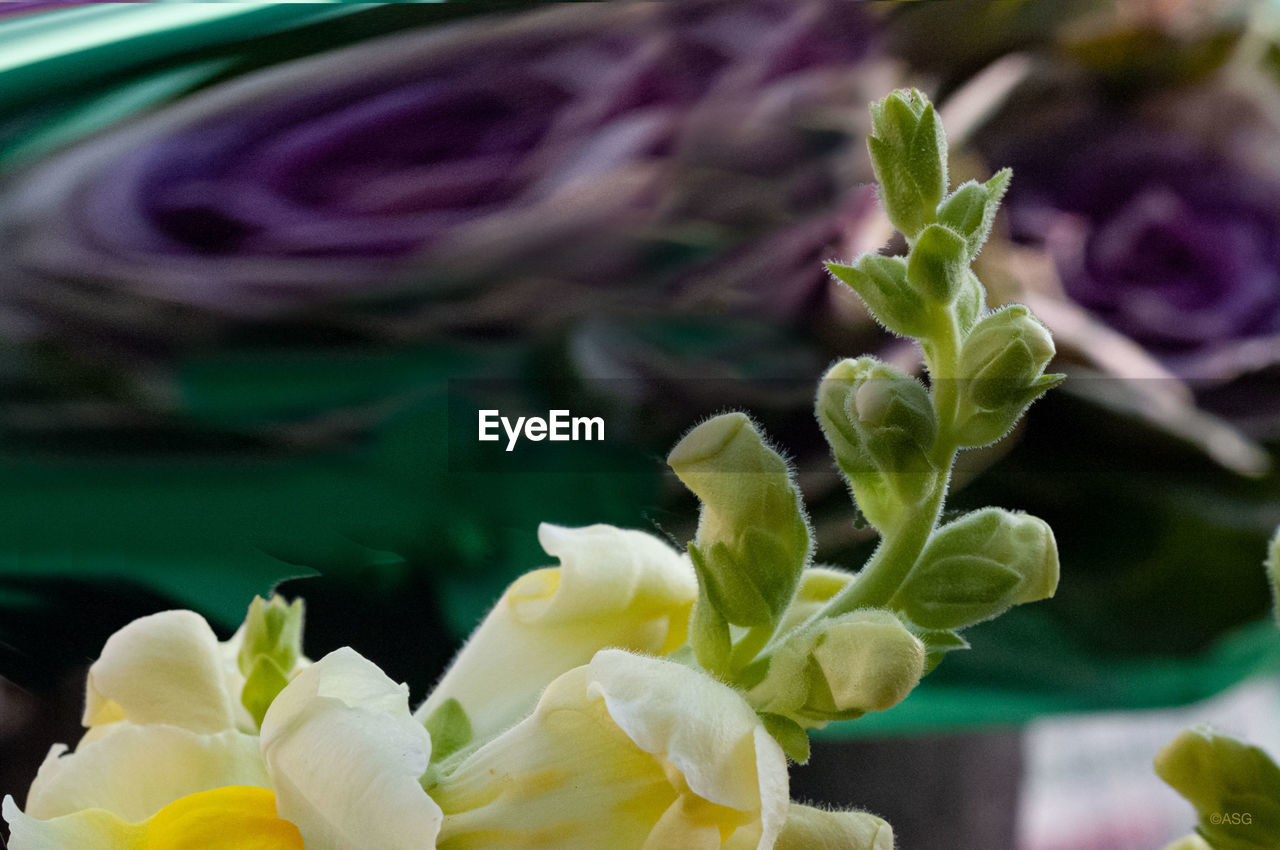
449,728
790,735
262,685
881,283
978,567
708,630
938,643
1222,777
270,647
909,155
938,264
753,538
272,628
971,209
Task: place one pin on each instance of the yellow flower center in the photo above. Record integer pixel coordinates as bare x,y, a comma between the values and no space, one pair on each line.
236,817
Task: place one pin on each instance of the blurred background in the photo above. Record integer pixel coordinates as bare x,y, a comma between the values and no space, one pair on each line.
260,265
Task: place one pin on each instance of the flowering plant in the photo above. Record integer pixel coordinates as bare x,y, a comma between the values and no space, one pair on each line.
634,695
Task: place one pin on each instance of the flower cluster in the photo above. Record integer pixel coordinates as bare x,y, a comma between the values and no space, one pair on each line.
633,696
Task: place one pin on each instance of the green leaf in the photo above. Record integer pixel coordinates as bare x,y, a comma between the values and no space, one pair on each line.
450,729
971,209
265,680
790,735
753,538
938,264
977,567
272,629
881,283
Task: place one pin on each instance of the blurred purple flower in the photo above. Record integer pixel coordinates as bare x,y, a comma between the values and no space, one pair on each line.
485,173
1167,231
1170,244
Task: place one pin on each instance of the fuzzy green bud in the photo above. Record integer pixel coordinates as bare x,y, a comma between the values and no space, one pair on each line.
971,210
1234,787
753,539
881,426
1001,367
271,648
978,567
841,668
909,154
808,828
881,283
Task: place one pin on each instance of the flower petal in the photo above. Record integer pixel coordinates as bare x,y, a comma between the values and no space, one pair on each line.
138,770
614,587
625,752
345,758
89,828
166,668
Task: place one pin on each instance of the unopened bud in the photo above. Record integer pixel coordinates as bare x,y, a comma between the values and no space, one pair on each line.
978,567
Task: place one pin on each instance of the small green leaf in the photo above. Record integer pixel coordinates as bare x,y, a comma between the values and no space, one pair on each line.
938,264
272,628
971,209
263,684
790,735
881,283
938,643
450,729
977,567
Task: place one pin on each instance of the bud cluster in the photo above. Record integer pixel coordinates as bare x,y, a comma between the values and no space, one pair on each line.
804,646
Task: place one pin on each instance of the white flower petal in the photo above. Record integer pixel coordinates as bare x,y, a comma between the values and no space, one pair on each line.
614,587
138,770
345,758
629,753
94,828
166,668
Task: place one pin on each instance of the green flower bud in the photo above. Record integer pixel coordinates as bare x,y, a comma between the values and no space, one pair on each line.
880,424
1221,776
881,283
978,567
841,668
1001,368
938,265
909,154
753,538
270,649
971,209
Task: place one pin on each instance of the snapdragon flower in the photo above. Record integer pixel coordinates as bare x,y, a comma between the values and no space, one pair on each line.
169,761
